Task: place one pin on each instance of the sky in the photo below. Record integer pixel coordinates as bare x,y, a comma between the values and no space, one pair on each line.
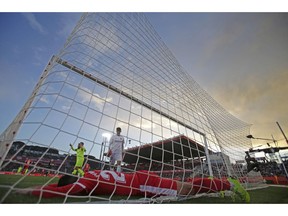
240,59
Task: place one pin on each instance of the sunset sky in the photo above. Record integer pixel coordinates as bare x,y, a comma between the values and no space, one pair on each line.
240,59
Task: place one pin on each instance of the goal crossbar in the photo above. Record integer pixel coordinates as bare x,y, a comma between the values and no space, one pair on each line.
113,88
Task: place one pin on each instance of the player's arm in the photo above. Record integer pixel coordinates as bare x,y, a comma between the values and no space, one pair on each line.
123,144
108,154
71,146
52,190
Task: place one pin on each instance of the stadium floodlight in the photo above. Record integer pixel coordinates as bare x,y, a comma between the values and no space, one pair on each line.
250,136
259,138
106,136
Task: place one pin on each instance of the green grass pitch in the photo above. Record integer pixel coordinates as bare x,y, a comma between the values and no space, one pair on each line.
271,194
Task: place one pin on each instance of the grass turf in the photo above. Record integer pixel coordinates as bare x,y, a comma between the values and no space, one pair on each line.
8,184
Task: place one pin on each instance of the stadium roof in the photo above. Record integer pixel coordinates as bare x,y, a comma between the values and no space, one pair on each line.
179,147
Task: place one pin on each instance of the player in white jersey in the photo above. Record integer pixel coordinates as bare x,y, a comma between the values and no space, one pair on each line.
116,147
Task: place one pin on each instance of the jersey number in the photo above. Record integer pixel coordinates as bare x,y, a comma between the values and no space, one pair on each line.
105,174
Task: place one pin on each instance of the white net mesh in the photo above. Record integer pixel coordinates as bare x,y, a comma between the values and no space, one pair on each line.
115,71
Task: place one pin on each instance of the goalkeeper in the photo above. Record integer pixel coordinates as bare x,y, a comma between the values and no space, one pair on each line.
139,183
79,159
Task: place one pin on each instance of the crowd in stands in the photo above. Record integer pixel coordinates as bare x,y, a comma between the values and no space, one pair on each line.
273,169
52,162
41,160
186,169
154,165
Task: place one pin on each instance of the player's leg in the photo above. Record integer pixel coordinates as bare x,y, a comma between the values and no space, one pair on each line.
215,185
80,171
185,188
74,172
118,158
50,191
24,170
65,186
112,162
202,185
118,168
239,190
208,185
78,167
19,169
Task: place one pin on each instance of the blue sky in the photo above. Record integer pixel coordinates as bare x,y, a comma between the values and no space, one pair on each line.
241,59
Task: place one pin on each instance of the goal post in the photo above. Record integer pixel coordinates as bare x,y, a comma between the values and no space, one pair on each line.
8,136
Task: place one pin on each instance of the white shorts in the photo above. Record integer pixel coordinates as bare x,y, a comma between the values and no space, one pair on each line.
117,156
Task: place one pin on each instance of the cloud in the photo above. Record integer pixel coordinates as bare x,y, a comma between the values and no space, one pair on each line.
258,100
67,22
96,100
44,100
242,63
34,23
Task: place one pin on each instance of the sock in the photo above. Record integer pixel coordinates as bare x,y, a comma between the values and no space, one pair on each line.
81,172
118,168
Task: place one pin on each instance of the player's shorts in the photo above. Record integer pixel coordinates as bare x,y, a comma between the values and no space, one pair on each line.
116,156
152,185
79,162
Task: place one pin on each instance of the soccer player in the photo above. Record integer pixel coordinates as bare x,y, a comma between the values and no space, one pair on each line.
116,147
20,168
50,166
140,183
252,163
79,159
26,166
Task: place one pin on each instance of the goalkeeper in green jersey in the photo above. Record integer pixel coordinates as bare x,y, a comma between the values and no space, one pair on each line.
79,159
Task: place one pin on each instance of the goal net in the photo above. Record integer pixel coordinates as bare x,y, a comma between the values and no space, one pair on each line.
115,71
